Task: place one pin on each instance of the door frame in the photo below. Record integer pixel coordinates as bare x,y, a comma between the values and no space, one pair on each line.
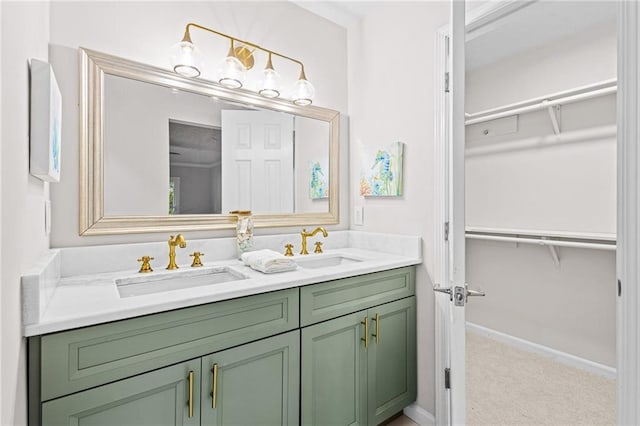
628,204
628,215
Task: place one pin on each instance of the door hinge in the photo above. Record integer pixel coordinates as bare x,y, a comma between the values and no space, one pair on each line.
446,82
447,378
446,231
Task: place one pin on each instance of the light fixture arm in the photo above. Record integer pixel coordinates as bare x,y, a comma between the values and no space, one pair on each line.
187,37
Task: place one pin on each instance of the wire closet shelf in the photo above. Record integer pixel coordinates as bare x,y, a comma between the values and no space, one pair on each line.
547,102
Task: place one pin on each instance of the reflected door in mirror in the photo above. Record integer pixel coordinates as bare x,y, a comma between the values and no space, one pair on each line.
257,158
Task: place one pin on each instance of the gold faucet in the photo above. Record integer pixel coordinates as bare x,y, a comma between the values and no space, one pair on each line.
146,265
196,259
304,234
173,242
288,250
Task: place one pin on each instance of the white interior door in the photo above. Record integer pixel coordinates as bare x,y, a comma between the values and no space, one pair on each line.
257,161
451,291
457,215
450,404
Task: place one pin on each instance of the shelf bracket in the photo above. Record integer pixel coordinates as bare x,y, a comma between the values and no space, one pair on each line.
553,116
553,251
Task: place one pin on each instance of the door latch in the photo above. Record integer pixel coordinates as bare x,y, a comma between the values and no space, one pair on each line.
460,294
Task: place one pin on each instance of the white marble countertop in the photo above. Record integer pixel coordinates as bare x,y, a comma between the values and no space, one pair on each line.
83,300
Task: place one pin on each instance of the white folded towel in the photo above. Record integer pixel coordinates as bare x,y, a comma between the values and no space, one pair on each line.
268,261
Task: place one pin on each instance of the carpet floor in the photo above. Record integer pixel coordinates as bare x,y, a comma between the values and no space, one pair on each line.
509,386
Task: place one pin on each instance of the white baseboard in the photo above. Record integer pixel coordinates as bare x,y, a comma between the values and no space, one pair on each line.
419,415
545,351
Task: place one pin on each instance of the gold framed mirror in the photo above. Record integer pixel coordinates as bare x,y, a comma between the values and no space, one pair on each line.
126,182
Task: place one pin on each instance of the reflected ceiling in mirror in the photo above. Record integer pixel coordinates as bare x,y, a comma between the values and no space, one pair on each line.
162,152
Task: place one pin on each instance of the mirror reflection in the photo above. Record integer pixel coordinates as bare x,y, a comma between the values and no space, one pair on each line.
161,152
173,152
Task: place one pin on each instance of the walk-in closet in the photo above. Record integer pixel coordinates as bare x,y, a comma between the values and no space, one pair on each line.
541,215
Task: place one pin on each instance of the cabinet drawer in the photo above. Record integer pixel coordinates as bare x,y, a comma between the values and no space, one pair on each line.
78,359
320,302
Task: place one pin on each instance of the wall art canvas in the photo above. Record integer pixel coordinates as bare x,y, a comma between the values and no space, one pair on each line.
381,171
318,180
46,119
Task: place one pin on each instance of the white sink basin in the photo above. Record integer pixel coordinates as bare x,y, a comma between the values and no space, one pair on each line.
325,261
148,284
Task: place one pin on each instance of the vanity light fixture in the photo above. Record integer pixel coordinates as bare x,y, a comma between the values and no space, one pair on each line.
187,60
232,71
270,86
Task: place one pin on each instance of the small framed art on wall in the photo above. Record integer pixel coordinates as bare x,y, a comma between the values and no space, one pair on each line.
46,123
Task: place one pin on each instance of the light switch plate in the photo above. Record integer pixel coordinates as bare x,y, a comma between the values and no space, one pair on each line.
47,217
358,215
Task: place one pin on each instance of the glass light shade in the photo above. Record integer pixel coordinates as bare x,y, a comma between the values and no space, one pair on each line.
186,59
270,87
232,73
303,92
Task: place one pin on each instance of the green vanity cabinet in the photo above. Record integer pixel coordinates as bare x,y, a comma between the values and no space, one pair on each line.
359,368
254,384
134,364
334,372
288,357
157,398
331,299
391,359
78,359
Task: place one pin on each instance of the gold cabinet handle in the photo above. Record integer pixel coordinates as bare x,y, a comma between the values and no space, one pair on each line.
190,394
214,390
377,333
365,339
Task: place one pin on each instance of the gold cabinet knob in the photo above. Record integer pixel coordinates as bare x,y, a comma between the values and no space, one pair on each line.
318,247
288,250
146,266
196,259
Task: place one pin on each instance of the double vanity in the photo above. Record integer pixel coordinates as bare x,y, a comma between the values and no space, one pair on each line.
332,342
204,339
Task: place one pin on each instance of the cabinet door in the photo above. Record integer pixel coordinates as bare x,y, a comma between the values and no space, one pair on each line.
334,382
391,359
157,398
253,384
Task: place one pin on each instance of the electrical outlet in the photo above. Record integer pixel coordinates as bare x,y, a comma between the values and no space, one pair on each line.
358,215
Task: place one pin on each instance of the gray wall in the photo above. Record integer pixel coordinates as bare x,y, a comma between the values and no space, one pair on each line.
570,308
24,33
197,186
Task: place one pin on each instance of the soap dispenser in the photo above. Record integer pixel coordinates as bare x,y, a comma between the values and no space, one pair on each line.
244,231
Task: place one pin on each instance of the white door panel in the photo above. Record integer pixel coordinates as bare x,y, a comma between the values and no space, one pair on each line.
450,297
257,161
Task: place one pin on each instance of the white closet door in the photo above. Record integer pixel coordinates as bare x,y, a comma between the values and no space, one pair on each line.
257,161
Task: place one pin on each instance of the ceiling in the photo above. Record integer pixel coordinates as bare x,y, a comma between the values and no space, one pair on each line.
535,24
344,13
193,145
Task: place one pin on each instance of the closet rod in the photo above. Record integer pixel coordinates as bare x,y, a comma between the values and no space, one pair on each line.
585,135
542,242
601,89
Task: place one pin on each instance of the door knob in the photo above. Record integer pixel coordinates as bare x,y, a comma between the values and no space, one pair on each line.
446,290
472,292
460,294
